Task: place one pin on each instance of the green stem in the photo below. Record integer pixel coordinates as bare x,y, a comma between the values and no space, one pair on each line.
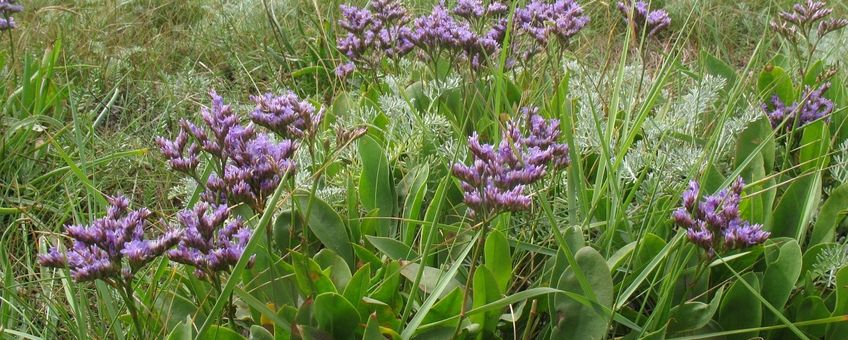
471,270
127,295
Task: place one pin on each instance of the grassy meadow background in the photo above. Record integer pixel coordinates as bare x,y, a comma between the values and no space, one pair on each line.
88,85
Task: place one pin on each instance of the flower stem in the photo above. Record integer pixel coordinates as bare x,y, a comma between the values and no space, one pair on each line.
127,295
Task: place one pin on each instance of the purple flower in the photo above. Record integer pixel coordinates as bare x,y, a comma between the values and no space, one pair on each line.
496,179
179,157
374,33
644,18
286,115
7,8
99,249
803,18
345,70
469,8
714,223
210,243
541,20
812,107
249,165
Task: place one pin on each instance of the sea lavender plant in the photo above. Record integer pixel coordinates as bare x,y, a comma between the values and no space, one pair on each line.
100,248
7,8
286,115
373,33
643,18
813,106
210,244
249,165
440,32
808,22
497,178
806,17
714,223
112,249
542,20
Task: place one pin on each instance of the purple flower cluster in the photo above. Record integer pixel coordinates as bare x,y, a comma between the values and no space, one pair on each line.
803,18
250,165
714,223
99,249
209,243
813,106
644,18
7,8
542,20
286,115
439,31
374,33
497,178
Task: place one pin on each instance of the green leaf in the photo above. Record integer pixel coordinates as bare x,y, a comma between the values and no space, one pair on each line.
258,332
376,190
716,66
394,249
310,278
485,291
339,271
327,226
182,331
358,285
283,229
812,308
223,333
693,315
796,207
372,329
174,308
498,259
780,276
774,80
430,277
815,145
812,73
448,307
575,320
839,330
832,212
413,204
336,315
740,309
388,292
750,140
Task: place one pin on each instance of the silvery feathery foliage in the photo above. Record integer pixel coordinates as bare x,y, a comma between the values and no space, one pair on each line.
644,18
713,223
7,8
839,168
112,247
659,150
497,178
828,262
407,141
588,88
209,243
434,89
